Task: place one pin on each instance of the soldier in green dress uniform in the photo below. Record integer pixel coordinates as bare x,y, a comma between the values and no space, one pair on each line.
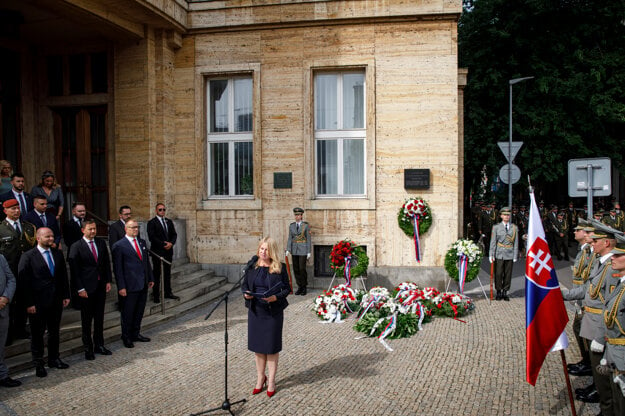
299,246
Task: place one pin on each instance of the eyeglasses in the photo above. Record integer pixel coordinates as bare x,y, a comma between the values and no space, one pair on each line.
162,209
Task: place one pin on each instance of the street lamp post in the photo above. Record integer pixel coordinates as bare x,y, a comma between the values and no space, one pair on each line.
511,83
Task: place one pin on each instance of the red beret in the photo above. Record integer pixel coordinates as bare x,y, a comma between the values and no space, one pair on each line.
10,203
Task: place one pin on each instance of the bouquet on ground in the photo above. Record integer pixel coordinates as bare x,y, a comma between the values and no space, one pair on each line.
333,305
452,304
348,259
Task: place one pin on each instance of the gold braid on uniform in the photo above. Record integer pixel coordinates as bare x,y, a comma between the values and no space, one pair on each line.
30,240
577,270
595,291
586,271
609,317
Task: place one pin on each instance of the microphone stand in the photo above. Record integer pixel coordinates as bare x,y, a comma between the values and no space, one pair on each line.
226,405
162,279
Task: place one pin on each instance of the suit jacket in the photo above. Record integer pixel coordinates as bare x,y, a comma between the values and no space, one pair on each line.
131,273
117,230
86,272
12,244
157,236
71,233
41,289
34,218
273,280
7,285
27,199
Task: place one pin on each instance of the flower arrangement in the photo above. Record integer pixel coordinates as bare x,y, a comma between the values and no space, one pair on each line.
452,304
347,248
341,299
411,208
473,254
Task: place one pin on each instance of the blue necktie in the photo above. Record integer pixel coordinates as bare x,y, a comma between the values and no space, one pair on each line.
43,220
50,262
22,204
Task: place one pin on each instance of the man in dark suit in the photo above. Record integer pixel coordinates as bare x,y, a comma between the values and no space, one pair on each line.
117,230
42,270
162,235
17,192
40,218
134,277
72,231
91,273
16,237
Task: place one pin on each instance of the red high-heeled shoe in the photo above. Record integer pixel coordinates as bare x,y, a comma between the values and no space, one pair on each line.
256,391
270,393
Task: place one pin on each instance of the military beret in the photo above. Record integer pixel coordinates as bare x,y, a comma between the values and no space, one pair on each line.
10,203
298,210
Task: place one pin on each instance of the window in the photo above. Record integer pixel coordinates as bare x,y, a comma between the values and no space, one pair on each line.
230,151
340,133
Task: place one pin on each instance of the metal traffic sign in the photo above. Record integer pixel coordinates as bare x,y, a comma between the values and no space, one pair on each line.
515,174
514,149
597,172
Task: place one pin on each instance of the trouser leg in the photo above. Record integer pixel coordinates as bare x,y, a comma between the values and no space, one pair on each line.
603,385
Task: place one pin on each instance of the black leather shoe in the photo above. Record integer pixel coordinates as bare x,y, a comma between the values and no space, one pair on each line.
581,370
303,292
592,397
498,297
569,366
89,355
298,291
102,350
9,382
505,296
172,296
128,343
40,371
58,364
141,338
585,390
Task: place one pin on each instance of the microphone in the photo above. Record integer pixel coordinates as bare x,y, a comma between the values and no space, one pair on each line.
251,263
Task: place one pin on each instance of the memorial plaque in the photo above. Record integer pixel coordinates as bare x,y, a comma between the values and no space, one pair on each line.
282,180
416,179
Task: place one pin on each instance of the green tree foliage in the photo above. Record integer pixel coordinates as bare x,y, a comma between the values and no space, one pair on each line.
575,106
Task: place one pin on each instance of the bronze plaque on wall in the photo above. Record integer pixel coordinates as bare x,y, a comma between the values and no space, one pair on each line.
282,180
416,179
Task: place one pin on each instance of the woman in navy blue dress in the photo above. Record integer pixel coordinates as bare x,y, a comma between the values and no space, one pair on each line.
265,288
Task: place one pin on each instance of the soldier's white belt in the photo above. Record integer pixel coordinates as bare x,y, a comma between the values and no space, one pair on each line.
593,310
504,245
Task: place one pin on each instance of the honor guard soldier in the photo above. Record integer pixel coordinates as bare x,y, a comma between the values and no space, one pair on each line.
595,294
299,245
16,237
614,318
613,220
561,236
504,250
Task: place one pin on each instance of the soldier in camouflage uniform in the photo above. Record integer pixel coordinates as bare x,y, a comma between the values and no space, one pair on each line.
16,237
504,250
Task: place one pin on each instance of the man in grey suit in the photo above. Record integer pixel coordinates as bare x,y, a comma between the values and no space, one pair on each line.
615,334
298,245
595,294
504,250
7,289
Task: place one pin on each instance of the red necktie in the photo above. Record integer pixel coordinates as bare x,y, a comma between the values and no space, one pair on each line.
95,255
137,248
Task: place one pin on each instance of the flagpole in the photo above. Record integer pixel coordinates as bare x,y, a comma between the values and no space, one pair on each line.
568,383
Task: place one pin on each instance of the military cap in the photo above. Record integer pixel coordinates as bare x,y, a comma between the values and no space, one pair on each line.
10,203
581,224
603,231
613,209
505,210
298,210
620,245
561,213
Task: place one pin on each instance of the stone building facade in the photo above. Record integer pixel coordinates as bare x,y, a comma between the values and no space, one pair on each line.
233,112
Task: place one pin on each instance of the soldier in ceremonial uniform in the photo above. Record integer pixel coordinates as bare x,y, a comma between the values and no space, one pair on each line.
571,220
486,222
504,250
299,246
598,215
561,236
613,220
614,318
595,294
16,237
581,271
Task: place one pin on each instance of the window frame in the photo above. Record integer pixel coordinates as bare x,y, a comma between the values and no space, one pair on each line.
230,137
339,134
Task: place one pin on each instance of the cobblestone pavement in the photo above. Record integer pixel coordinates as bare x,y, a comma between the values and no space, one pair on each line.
449,368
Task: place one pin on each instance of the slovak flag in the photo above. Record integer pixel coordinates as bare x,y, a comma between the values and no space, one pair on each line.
545,313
